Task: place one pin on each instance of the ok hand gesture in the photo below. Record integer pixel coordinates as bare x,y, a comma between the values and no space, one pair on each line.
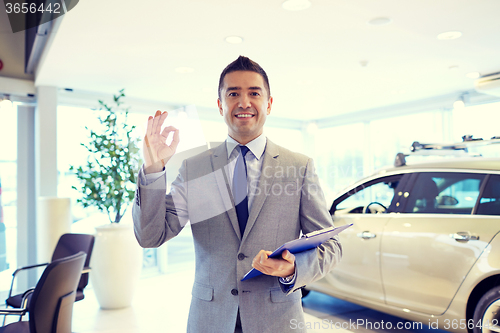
155,149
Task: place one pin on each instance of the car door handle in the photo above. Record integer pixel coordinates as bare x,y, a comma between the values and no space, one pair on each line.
463,236
366,235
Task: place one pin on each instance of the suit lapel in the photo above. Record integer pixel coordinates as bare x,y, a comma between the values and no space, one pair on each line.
219,164
269,165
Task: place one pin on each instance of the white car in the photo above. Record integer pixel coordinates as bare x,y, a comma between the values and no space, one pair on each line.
424,244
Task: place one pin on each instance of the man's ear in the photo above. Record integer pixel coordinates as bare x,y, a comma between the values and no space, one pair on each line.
219,104
269,105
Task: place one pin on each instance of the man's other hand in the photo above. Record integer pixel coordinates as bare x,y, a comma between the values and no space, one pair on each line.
276,267
155,149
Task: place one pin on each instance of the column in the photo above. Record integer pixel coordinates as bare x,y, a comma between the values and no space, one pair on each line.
26,194
46,141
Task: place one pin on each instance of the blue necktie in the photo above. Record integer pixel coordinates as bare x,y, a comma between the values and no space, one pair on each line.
240,189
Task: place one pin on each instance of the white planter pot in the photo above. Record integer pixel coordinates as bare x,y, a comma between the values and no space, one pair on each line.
116,265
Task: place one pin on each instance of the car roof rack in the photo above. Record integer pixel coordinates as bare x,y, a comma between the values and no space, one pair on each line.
445,149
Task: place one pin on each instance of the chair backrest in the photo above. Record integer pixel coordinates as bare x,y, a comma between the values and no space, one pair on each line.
51,304
70,244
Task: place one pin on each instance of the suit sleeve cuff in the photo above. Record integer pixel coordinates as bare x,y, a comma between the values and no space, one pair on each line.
149,178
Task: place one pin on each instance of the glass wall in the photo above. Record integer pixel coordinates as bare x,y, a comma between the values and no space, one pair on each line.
389,136
480,121
71,134
339,157
345,154
8,195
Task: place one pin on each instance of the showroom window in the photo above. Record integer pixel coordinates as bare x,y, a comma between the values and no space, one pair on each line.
8,194
71,134
478,121
288,138
390,136
444,193
339,157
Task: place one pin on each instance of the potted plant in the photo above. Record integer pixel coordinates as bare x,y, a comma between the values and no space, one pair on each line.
108,182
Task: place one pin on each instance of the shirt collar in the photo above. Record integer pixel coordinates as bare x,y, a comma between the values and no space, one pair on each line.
256,146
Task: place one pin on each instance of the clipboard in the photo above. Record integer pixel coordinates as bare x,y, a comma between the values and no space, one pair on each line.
307,242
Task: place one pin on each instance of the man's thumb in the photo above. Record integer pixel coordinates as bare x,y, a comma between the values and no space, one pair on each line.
287,255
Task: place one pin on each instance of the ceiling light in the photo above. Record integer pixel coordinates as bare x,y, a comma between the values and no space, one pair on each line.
296,5
182,115
234,39
473,75
459,104
6,103
312,127
184,70
380,21
461,101
449,35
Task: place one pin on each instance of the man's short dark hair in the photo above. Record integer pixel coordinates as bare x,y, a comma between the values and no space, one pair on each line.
244,64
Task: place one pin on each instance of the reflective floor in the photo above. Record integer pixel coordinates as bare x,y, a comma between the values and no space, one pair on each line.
161,304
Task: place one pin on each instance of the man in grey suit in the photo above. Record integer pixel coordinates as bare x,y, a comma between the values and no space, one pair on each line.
234,232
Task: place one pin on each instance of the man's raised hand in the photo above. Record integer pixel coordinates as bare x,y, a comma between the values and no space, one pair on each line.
156,151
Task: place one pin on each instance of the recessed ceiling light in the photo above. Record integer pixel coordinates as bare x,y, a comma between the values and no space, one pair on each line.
295,5
449,35
6,103
473,75
184,70
234,39
459,104
380,21
312,127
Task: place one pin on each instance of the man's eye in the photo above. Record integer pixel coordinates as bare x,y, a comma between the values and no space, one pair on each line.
232,94
255,94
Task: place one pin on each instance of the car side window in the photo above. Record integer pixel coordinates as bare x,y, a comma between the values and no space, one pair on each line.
489,203
444,193
380,191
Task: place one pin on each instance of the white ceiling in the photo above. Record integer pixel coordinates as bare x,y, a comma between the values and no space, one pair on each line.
312,57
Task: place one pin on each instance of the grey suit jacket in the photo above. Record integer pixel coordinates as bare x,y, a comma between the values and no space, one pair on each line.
288,200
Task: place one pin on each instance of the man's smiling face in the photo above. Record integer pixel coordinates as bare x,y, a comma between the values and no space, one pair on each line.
244,104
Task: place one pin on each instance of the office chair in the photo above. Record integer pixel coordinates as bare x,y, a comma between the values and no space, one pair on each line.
51,301
67,245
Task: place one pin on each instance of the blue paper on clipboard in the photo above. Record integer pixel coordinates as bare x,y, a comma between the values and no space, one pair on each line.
307,242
